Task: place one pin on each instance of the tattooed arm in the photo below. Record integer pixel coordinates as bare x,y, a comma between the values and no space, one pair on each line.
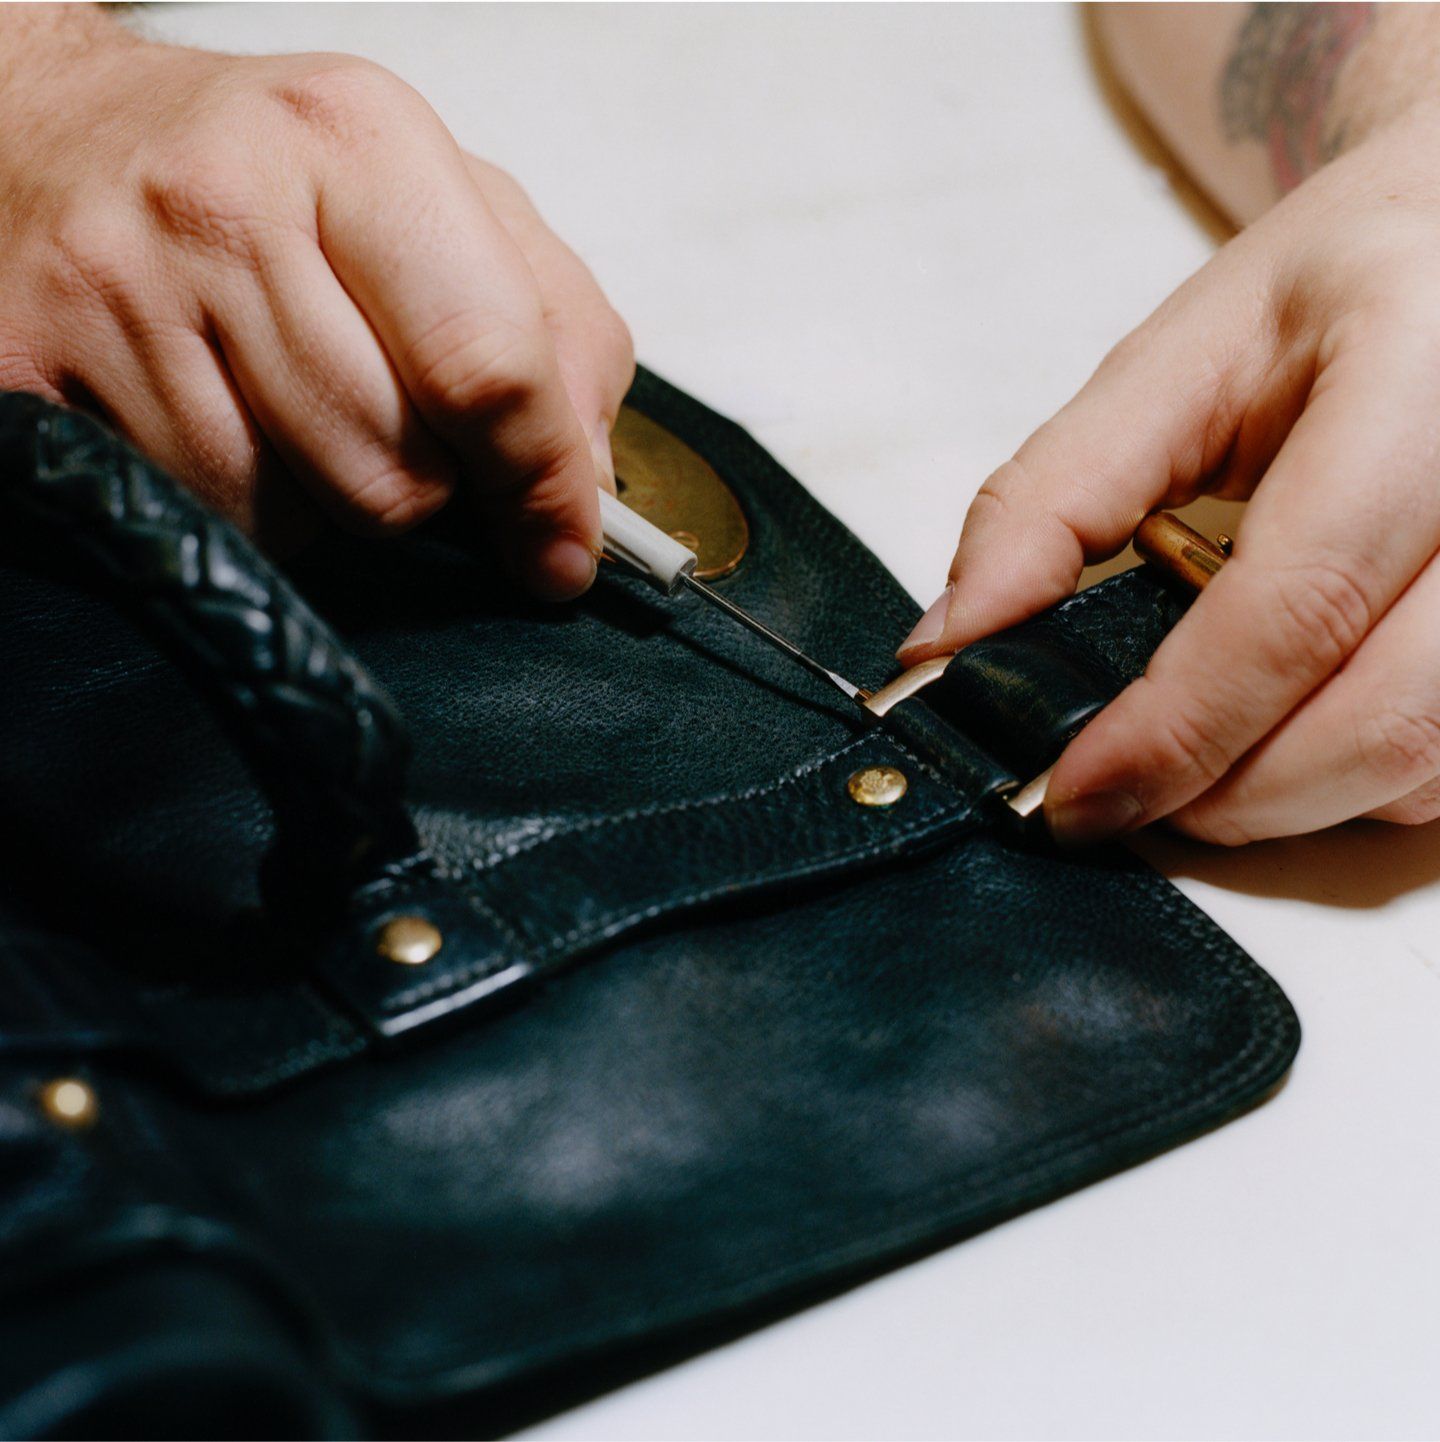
1301,368
1253,98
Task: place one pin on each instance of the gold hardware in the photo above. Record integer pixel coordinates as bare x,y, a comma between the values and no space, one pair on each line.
1026,800
1224,544
69,1102
659,476
906,684
409,940
1168,543
877,786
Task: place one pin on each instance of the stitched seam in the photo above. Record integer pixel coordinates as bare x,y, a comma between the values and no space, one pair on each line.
296,1062
493,862
829,858
544,952
932,771
1228,1081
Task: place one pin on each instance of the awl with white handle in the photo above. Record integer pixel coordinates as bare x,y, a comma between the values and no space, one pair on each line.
668,565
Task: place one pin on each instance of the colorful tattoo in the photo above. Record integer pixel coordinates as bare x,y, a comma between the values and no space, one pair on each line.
1277,86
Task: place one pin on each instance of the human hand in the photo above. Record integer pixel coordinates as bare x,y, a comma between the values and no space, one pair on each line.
1302,364
283,280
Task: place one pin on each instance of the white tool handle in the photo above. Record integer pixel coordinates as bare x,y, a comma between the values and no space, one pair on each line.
631,538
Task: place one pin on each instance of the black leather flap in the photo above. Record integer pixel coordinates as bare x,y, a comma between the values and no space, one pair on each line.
770,1040
577,772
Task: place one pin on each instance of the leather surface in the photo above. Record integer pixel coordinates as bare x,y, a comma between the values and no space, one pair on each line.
324,741
704,1037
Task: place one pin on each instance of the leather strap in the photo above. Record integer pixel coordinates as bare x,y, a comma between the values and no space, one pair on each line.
1024,693
324,742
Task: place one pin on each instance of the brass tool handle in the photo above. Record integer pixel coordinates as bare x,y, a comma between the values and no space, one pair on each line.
1167,542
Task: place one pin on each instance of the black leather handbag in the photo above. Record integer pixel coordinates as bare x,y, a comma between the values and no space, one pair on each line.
415,1060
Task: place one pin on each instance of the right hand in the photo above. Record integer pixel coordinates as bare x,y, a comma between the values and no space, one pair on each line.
283,280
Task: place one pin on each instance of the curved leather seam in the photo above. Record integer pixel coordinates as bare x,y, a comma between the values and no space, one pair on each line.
1276,1028
622,921
1227,1082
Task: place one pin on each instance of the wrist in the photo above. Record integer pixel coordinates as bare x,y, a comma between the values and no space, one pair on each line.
39,44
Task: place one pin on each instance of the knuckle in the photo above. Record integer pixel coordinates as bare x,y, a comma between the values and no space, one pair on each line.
500,186
227,485
988,505
213,205
1000,488
22,370
1418,809
1326,613
341,97
1132,347
394,500
548,496
1398,744
491,368
617,341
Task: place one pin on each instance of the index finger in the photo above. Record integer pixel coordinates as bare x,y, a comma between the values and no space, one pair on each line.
458,311
1162,413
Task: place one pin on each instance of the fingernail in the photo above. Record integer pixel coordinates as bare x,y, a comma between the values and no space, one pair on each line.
1083,820
930,625
558,568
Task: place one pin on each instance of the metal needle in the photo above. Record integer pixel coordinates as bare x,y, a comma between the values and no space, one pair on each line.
854,692
667,563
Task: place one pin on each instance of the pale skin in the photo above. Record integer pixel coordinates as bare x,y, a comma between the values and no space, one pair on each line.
1300,368
284,280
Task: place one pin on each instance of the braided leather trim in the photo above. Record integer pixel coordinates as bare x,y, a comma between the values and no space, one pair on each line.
324,742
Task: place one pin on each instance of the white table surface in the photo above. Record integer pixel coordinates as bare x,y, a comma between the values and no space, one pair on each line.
890,242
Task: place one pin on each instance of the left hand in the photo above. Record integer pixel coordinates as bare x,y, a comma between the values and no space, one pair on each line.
1302,364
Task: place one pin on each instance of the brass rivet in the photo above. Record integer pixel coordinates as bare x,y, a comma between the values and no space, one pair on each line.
1225,543
877,786
409,940
69,1102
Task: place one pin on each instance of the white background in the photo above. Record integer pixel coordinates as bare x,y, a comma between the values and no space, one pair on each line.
890,242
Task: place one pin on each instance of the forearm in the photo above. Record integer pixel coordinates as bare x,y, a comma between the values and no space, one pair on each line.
1254,98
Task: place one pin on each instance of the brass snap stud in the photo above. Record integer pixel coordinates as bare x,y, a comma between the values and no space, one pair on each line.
877,786
69,1102
409,940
